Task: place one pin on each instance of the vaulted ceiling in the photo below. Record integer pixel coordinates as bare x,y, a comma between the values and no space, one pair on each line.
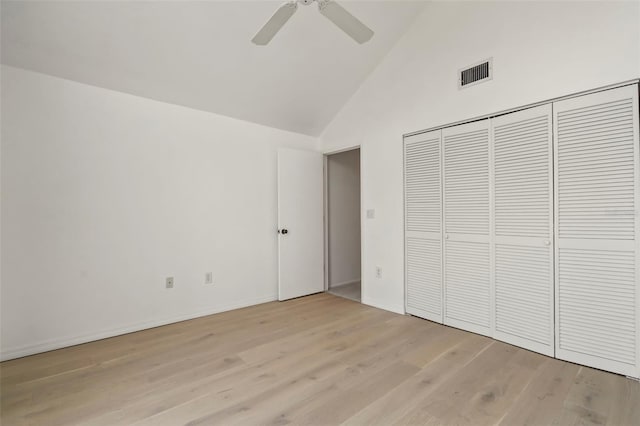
199,54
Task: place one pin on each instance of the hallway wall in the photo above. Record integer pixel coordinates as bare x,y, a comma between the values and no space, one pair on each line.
344,217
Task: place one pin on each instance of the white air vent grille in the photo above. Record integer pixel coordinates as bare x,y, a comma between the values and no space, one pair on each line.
475,74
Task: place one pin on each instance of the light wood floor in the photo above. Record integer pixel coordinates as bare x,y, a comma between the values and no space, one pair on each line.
317,360
350,291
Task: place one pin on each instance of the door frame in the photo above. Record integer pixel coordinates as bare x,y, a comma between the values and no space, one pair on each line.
326,155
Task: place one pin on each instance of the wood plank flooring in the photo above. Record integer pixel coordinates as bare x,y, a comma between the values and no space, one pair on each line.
318,360
350,291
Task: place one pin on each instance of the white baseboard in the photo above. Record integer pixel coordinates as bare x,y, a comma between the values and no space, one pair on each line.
398,309
344,283
49,345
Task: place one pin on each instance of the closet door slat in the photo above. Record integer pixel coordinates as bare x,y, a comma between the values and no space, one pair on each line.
596,230
467,276
523,227
423,229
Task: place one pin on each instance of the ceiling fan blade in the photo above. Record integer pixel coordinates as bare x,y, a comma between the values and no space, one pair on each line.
345,21
273,25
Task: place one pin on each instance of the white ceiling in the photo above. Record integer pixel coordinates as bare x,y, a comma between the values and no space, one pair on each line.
199,54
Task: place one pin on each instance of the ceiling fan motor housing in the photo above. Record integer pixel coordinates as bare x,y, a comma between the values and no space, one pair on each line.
306,2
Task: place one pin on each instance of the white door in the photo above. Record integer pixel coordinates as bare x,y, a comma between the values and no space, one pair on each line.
423,230
523,228
300,223
597,173
467,245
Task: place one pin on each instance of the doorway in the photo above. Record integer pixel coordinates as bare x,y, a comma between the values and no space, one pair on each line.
343,231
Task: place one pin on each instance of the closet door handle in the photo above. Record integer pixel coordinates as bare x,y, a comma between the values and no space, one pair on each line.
547,242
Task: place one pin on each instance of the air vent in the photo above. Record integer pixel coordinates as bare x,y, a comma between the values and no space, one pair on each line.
475,74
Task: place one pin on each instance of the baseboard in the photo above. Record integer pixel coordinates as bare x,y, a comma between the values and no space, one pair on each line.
398,309
53,344
343,283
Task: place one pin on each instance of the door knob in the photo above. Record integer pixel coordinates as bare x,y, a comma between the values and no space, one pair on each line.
283,231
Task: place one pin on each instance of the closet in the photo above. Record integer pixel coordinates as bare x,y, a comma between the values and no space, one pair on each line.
523,227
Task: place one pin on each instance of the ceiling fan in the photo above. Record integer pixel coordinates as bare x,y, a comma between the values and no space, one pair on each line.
329,8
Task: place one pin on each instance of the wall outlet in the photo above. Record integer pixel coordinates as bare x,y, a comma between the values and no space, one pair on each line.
208,278
371,214
378,272
169,282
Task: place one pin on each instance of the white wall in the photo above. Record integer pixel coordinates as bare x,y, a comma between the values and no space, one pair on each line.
343,181
105,194
540,50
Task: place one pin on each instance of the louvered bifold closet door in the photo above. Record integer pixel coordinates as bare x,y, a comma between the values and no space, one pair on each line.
423,230
597,292
523,228
467,227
